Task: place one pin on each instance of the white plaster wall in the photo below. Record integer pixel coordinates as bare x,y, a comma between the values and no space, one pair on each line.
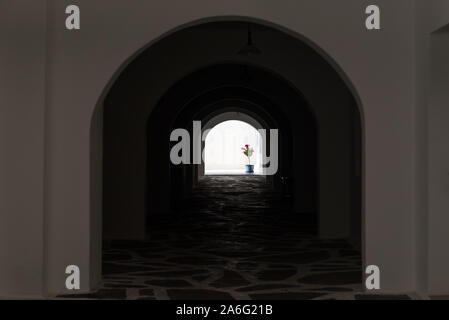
431,195
22,110
438,189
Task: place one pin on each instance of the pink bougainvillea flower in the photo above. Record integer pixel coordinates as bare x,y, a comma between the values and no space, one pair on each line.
248,152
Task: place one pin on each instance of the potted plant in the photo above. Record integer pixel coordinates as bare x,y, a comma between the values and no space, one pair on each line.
248,152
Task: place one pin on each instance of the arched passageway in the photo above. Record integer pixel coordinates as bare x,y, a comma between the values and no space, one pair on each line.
223,146
230,236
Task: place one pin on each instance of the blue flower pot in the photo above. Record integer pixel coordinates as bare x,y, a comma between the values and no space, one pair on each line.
249,169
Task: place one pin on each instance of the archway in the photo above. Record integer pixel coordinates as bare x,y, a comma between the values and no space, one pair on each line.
329,185
223,144
255,120
220,89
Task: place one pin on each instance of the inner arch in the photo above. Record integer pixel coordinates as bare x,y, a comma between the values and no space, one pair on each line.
223,148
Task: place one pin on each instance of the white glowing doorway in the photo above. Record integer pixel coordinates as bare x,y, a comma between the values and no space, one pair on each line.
223,153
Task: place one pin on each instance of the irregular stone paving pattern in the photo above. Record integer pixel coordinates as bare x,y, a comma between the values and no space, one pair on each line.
234,238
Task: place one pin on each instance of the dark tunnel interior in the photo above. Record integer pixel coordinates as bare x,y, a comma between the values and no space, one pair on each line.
171,231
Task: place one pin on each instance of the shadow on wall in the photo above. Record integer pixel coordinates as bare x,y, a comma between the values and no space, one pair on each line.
326,167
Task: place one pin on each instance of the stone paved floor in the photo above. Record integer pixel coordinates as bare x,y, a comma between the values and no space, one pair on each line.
234,239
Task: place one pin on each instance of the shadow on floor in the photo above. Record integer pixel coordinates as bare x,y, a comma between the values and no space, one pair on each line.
235,238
